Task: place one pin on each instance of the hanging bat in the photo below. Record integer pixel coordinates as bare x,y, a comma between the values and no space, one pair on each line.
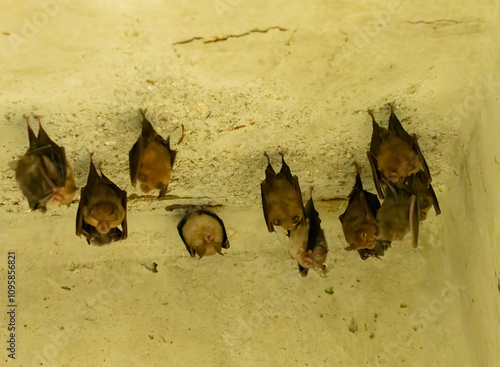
398,215
102,208
394,154
43,173
359,222
151,160
307,243
281,198
404,208
203,233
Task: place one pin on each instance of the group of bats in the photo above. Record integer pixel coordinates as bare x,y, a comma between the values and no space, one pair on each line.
402,180
45,176
400,174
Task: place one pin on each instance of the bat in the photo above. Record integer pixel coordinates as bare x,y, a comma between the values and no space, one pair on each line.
102,208
281,198
307,243
404,208
43,173
203,233
359,222
151,160
394,154
398,215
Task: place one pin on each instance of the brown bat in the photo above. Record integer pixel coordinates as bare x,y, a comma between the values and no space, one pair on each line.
102,208
43,173
307,243
404,208
359,222
394,154
203,233
398,215
151,160
281,198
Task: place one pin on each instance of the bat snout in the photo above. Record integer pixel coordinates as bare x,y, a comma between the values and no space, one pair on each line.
103,227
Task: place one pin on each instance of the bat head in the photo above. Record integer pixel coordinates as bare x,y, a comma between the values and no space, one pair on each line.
203,233
397,161
360,236
104,216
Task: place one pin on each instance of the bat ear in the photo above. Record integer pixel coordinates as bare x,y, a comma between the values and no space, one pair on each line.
13,164
200,251
218,249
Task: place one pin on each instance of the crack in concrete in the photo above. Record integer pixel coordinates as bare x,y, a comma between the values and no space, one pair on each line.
225,38
438,21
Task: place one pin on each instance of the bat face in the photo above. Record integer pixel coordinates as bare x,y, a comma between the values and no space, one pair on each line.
395,156
203,233
359,222
281,198
151,160
42,173
102,208
396,160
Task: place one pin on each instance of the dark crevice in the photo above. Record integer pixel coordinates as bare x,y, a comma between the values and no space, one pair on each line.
225,38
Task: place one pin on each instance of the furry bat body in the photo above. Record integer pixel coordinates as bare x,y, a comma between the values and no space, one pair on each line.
359,222
151,160
281,198
102,208
43,173
307,243
203,233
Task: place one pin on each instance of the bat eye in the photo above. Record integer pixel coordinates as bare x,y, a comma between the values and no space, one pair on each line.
277,222
296,219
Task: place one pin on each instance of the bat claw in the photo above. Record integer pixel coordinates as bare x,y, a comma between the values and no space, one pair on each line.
370,112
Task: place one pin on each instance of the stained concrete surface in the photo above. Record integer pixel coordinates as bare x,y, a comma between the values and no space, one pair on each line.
246,77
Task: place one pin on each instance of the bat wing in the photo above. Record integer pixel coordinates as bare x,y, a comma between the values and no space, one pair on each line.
435,200
377,177
181,224
166,143
396,127
31,136
425,168
264,191
370,212
298,193
123,235
55,153
414,219
315,231
135,157
79,213
377,139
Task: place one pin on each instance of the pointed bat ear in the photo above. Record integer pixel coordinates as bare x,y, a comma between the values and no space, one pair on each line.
218,249
13,164
200,250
